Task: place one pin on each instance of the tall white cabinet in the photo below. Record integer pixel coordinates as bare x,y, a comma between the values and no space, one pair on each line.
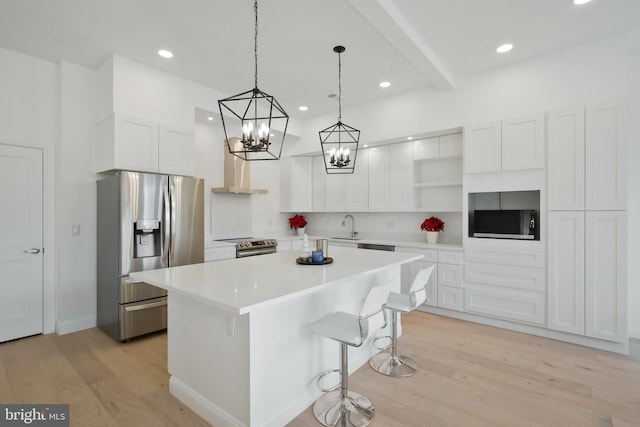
587,221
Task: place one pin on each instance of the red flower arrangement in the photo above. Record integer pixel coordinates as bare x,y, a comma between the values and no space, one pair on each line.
432,224
297,221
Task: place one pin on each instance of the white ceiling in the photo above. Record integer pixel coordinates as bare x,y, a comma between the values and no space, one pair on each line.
411,43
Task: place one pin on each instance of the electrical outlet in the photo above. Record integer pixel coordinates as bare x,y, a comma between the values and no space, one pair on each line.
75,230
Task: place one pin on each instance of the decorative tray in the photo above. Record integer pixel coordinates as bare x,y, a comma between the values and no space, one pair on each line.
307,261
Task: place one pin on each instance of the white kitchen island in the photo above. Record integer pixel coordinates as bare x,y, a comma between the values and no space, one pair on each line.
239,352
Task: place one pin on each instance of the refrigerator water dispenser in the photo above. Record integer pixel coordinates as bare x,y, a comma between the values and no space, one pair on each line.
147,238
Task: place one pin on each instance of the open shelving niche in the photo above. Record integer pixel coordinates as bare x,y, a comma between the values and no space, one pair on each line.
437,164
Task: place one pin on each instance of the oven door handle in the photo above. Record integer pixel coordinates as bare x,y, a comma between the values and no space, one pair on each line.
260,251
146,306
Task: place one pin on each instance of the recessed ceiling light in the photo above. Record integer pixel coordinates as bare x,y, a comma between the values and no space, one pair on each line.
385,84
409,138
504,48
579,2
303,108
165,53
365,145
210,118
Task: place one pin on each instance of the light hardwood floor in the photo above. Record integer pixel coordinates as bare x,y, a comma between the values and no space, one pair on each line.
470,375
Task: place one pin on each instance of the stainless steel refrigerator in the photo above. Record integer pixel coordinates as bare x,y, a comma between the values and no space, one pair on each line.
145,221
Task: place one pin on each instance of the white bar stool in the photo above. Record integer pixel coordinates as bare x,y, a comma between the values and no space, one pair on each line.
342,407
391,363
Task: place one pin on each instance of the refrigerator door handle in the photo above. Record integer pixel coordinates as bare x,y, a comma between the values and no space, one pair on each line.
167,225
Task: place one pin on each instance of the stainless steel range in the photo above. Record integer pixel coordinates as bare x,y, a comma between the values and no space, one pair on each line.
250,246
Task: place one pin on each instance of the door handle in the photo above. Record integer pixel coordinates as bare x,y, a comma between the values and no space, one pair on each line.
32,251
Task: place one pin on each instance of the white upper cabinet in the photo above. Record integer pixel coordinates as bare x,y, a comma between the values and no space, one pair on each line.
523,143
483,147
391,178
587,164
318,185
400,177
295,184
565,163
512,144
349,192
606,157
176,150
131,143
379,178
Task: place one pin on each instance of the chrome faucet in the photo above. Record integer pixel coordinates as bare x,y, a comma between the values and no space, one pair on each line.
354,233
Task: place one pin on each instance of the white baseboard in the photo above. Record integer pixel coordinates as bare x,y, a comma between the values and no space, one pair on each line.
71,326
201,406
622,348
634,333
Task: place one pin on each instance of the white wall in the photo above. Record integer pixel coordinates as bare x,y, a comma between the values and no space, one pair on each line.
29,117
76,200
570,77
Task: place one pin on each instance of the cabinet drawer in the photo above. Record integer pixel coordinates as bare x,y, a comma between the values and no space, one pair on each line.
451,298
511,304
430,255
531,279
506,253
450,275
450,257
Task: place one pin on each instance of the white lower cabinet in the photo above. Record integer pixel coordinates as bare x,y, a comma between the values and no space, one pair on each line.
586,274
505,280
445,284
432,287
450,277
565,272
219,253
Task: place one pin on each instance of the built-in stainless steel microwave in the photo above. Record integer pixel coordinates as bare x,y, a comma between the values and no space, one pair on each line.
504,224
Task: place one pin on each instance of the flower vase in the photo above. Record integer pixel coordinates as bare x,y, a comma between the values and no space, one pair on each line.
432,236
301,231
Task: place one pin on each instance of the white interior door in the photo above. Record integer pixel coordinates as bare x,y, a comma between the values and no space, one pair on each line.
20,242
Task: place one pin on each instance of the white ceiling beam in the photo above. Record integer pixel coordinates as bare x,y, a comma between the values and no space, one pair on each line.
385,17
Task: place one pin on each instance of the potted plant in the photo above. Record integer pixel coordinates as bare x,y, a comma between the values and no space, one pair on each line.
298,222
432,227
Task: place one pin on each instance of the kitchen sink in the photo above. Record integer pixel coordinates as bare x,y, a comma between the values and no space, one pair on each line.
345,238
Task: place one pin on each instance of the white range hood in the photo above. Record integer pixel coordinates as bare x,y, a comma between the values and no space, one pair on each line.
236,174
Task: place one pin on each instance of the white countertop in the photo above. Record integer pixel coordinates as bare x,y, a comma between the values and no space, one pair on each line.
245,284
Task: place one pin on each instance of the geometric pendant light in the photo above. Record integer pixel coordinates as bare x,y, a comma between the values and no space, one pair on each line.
252,116
339,141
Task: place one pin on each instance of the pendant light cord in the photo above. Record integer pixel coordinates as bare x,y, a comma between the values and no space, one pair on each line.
339,87
255,42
